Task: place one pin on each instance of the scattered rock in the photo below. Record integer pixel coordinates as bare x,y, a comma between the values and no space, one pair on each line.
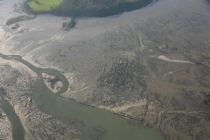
52,82
68,25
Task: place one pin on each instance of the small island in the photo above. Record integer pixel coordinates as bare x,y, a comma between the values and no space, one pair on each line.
85,7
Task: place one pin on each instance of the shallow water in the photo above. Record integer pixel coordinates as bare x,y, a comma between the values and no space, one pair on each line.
114,127
17,128
101,124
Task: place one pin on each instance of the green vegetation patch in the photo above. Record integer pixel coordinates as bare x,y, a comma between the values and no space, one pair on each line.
43,5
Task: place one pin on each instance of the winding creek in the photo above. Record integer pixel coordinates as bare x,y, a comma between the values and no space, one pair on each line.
17,128
101,124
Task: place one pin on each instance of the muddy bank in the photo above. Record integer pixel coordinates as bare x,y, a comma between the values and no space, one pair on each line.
19,19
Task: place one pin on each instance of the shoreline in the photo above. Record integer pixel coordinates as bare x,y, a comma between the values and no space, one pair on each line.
111,11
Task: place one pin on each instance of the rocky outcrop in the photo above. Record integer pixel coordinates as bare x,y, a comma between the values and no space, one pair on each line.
52,82
68,25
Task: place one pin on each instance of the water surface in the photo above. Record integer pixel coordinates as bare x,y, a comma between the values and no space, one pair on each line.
100,124
17,128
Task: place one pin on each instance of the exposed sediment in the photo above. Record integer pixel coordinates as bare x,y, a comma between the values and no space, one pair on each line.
150,64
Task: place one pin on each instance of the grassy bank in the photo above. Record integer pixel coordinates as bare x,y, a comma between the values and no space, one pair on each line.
43,5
